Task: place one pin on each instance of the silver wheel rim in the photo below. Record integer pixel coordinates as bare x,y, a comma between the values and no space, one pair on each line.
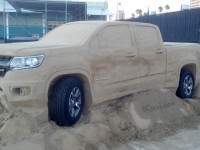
75,102
188,85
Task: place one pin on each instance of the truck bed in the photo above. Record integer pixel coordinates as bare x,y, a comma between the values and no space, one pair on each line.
168,44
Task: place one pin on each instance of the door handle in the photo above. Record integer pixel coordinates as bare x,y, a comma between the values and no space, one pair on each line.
160,51
130,55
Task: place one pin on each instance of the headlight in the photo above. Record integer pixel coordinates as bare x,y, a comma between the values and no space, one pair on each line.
18,63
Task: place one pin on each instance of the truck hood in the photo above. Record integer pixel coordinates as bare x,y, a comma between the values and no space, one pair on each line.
13,49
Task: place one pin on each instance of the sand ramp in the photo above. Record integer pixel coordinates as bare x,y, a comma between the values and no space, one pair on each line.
149,115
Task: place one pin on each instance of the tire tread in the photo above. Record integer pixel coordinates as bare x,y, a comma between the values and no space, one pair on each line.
57,106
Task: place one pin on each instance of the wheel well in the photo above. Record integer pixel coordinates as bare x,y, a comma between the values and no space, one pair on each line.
191,67
86,85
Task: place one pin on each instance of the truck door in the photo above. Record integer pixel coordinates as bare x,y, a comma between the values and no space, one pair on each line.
152,56
114,62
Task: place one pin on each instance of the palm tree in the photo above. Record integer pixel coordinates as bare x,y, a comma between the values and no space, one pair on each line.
139,12
132,15
167,7
160,9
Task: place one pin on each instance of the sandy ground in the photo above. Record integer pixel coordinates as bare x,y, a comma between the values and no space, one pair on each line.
149,120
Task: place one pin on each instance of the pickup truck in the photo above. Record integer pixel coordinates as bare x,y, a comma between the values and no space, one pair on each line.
78,65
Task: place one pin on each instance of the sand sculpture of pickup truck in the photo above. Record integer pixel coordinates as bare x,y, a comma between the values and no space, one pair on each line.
84,63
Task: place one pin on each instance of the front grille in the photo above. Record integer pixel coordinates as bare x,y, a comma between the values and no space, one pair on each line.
3,71
5,58
4,64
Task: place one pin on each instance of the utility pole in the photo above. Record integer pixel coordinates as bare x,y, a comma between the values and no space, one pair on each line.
66,7
4,21
7,25
117,14
86,16
46,17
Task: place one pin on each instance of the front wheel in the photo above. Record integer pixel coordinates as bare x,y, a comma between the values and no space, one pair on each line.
186,84
67,101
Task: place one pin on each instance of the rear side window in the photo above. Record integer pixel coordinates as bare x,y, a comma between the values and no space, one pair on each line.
147,36
115,37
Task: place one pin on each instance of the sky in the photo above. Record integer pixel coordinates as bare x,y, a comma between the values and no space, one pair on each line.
130,6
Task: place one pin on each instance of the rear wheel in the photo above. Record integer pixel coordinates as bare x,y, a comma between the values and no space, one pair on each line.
186,84
67,101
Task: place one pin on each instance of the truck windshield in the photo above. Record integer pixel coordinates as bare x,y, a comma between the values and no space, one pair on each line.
73,34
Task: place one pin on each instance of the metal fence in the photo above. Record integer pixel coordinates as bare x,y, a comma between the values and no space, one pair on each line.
183,26
34,18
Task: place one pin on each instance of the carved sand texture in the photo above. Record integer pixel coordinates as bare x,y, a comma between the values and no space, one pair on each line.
148,116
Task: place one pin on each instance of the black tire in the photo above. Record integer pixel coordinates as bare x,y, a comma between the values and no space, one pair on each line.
66,104
186,84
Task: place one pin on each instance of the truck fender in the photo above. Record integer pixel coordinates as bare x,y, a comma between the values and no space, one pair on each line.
81,74
191,65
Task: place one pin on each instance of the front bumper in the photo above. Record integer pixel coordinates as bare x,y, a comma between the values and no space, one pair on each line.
25,87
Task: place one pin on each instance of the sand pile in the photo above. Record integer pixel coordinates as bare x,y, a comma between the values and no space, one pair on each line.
149,115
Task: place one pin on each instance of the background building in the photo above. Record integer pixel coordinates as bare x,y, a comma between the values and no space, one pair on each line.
98,10
194,4
185,7
121,15
34,18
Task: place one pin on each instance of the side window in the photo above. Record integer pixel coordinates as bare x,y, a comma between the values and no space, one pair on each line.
147,36
115,37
